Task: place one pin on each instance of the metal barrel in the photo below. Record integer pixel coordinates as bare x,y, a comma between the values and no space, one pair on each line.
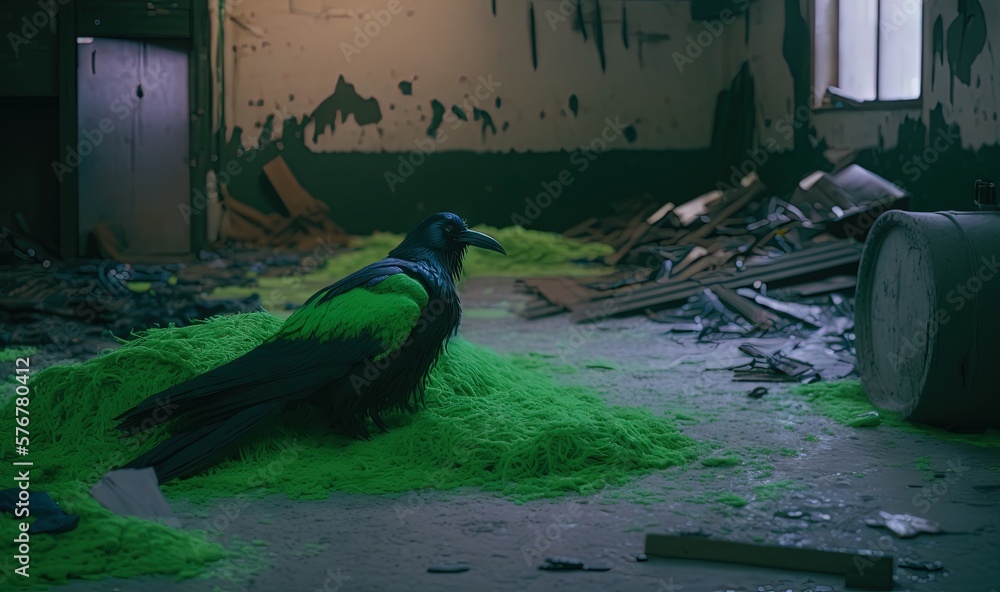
928,317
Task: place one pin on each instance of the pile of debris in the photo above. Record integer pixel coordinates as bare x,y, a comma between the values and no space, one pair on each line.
68,304
307,218
723,249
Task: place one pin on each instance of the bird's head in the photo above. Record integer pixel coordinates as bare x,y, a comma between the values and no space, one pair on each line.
443,237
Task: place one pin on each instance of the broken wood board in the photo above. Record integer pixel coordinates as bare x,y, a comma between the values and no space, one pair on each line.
638,233
831,284
823,258
695,253
712,260
561,291
298,201
687,213
732,207
863,569
267,224
753,312
801,312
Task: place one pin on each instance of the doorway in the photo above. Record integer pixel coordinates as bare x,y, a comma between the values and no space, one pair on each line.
133,142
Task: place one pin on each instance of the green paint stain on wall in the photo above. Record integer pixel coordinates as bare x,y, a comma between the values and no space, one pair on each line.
345,101
480,115
438,110
966,40
937,48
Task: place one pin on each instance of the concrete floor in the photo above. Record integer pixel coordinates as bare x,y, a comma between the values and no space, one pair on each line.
353,542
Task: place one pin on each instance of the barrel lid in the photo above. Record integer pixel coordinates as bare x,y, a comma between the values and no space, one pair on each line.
895,310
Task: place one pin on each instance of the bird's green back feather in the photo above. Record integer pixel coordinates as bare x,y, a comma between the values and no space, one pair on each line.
388,311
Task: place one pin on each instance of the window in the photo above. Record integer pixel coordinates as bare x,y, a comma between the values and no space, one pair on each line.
868,50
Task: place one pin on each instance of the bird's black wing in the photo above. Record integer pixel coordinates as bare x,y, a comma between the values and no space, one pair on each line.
366,315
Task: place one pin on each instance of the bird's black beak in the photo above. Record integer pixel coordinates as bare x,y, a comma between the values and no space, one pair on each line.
478,239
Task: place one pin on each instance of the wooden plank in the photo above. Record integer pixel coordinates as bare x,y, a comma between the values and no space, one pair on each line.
831,284
560,291
753,312
295,197
696,253
631,227
715,259
248,212
863,569
722,215
640,231
686,213
815,259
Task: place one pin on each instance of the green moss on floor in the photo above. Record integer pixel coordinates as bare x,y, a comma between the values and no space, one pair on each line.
725,498
722,461
105,545
772,491
9,354
491,423
846,403
529,253
730,499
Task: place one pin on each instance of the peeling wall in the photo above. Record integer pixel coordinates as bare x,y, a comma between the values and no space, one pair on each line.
468,105
320,59
415,106
959,100
960,72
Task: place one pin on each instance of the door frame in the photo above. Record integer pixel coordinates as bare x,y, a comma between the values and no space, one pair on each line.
199,108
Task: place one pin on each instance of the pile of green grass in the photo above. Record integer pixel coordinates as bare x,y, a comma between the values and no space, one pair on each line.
490,423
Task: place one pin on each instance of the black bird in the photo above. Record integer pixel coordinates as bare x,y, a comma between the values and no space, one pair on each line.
358,348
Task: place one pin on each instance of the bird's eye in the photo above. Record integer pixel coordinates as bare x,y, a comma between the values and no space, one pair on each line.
449,229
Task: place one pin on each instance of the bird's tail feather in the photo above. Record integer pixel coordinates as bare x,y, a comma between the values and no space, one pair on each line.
190,451
263,374
215,409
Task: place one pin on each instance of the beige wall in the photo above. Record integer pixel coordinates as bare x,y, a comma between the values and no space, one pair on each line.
275,49
295,48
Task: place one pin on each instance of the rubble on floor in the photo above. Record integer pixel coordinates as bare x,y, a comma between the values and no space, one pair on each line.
307,218
725,241
72,304
736,263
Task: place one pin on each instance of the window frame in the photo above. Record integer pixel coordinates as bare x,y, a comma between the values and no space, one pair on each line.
825,54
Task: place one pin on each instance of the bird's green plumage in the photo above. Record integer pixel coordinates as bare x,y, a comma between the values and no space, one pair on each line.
388,311
323,355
